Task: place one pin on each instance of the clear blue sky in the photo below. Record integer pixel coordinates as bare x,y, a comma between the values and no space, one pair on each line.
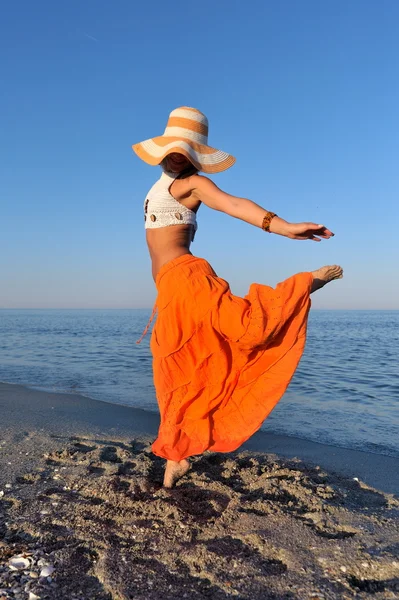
304,94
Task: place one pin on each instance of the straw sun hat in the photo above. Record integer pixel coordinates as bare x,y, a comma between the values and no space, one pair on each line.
187,133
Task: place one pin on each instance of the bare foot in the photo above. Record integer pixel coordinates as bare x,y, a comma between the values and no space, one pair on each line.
324,275
175,471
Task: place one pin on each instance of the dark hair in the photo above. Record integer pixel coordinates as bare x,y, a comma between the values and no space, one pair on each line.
186,172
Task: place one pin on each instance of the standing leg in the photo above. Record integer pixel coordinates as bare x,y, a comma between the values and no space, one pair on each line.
175,471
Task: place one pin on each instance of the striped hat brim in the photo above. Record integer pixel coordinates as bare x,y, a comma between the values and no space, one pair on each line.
204,158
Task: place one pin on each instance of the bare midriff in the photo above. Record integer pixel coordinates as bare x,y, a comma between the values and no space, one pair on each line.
167,243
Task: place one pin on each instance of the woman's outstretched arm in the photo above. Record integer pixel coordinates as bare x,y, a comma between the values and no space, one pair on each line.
241,208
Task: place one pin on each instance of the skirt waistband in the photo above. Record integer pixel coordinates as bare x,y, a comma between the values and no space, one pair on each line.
188,260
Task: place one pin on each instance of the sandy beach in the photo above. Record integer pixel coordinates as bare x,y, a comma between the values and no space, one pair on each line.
83,515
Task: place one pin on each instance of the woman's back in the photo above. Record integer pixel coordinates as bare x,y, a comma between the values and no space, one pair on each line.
170,218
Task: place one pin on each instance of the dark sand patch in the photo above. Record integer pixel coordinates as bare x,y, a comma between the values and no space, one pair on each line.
81,492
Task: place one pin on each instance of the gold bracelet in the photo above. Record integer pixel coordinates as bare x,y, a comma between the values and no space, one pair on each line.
267,220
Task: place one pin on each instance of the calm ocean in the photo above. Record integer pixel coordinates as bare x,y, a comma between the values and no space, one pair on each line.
345,392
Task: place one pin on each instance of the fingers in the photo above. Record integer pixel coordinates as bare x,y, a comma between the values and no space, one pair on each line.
318,229
324,232
313,238
311,231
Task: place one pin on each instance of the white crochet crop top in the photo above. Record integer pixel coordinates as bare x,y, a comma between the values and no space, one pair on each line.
162,210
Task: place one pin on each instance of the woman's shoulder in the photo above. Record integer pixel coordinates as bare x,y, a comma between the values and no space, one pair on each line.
190,183
197,181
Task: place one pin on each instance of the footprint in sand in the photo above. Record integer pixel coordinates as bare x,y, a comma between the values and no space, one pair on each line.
373,586
262,503
80,447
127,468
28,478
95,468
110,454
235,549
201,504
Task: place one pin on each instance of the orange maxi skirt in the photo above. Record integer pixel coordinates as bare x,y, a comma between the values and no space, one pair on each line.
221,363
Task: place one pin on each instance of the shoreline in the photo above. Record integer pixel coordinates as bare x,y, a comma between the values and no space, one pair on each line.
65,414
38,388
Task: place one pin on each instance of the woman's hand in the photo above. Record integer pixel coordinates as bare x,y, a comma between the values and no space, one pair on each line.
308,231
300,231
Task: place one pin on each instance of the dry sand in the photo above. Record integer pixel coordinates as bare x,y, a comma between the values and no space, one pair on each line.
83,504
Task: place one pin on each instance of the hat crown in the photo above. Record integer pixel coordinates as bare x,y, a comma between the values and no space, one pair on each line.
188,124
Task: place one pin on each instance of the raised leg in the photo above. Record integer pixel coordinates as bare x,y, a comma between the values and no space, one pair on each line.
325,275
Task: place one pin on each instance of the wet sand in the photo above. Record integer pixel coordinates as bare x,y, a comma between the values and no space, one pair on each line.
82,504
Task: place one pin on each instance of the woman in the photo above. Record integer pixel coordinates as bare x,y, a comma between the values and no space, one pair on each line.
221,363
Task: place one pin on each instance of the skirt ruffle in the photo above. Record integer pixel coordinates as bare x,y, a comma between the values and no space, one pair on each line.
221,362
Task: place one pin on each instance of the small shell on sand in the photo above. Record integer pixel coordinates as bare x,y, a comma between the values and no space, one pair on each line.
18,563
47,571
42,562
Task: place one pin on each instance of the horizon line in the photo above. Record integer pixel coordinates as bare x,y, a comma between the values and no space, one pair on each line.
150,308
